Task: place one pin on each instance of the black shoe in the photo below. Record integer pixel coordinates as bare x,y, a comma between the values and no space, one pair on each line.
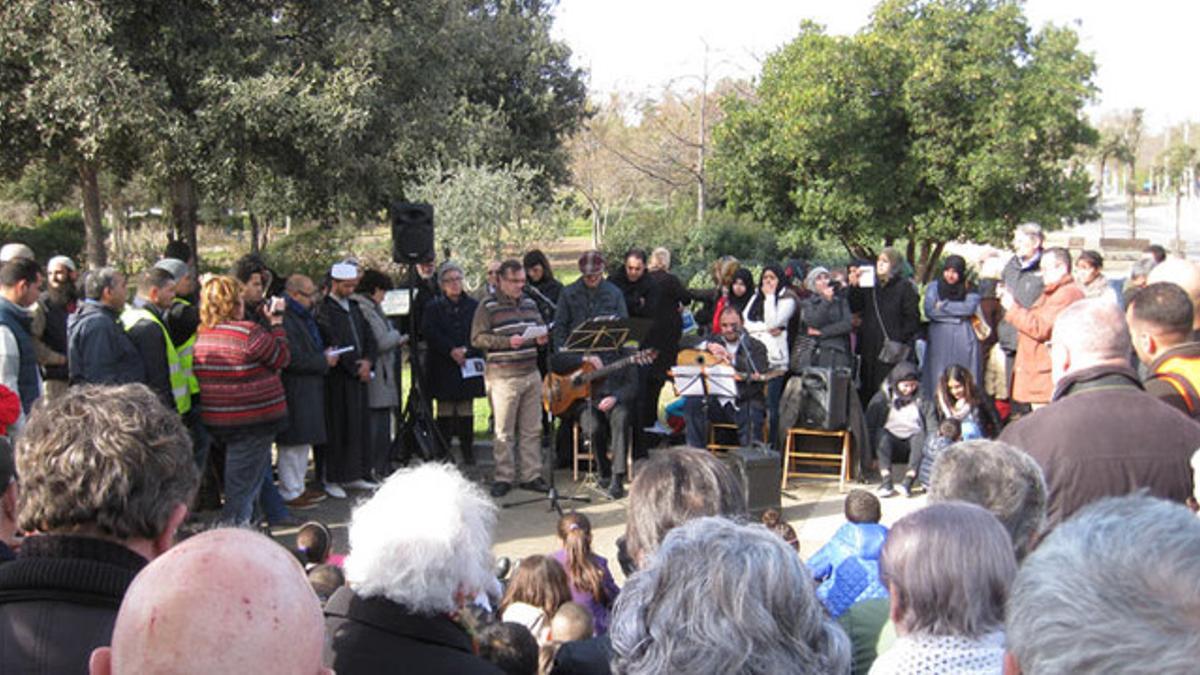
603,482
616,488
500,488
536,485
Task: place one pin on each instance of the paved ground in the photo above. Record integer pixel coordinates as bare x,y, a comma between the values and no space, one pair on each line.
812,507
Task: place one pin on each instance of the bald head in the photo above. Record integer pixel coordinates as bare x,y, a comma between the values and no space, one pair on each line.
1182,273
1086,334
223,601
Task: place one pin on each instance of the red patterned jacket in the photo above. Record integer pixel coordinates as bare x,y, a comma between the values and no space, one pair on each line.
238,364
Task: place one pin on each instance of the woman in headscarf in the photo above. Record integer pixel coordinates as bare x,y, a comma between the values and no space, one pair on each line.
949,305
767,315
890,311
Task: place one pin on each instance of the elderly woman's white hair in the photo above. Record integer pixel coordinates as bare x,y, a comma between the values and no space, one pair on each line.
720,597
424,538
810,280
948,567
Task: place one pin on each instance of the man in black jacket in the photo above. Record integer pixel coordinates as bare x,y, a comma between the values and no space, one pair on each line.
98,349
605,416
49,330
102,505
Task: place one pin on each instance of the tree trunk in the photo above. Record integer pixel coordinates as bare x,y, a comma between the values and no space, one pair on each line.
183,211
253,233
97,256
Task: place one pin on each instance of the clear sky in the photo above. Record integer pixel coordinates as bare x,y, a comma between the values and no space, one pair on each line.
1144,50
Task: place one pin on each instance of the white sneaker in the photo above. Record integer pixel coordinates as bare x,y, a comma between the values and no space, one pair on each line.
360,484
334,490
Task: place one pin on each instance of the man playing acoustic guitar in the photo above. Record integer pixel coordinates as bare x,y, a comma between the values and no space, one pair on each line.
748,356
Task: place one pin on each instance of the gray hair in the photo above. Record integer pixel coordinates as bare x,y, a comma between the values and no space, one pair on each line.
448,266
1113,589
948,567
724,598
423,537
97,280
675,486
1094,330
1031,230
109,459
998,477
660,259
810,281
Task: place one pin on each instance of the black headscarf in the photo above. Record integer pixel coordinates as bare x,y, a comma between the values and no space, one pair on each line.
748,279
755,312
953,292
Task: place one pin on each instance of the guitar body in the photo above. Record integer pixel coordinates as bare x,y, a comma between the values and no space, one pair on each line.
559,392
696,357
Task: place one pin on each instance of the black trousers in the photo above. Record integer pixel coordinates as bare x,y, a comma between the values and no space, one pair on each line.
607,431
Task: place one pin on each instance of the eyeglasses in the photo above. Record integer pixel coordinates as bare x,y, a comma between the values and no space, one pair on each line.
451,280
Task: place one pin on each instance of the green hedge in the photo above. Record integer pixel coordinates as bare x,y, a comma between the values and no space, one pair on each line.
60,233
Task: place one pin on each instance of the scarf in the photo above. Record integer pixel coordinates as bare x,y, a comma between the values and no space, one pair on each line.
306,317
953,292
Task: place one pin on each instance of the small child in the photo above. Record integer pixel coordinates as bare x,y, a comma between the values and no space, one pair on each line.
535,592
509,647
847,567
590,581
771,518
571,622
949,433
314,545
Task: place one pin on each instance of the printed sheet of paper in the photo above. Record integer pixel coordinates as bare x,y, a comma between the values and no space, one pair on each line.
721,381
534,332
472,368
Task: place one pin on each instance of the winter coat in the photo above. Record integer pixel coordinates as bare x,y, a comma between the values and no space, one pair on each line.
1031,370
448,326
1103,436
847,566
641,296
898,307
664,334
551,288
63,591
830,349
1025,284
375,635
303,381
98,349
578,303
952,340
382,392
880,407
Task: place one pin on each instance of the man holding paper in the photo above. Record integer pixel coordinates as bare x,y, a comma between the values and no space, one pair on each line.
513,379
747,405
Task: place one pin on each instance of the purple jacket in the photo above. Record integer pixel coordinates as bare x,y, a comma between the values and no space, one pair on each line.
599,612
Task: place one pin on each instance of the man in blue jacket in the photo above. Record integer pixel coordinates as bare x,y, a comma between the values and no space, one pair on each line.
99,351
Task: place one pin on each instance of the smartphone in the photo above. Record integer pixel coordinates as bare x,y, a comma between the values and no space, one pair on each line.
278,305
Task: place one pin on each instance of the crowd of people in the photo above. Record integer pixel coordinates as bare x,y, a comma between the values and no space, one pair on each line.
1050,417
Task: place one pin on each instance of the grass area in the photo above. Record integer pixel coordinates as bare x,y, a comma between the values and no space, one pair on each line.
481,409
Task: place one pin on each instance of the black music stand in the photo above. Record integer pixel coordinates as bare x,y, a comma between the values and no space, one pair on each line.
603,333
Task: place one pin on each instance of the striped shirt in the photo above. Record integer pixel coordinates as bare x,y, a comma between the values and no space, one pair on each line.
237,365
497,319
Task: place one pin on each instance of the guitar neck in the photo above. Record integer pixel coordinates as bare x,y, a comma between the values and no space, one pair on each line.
606,370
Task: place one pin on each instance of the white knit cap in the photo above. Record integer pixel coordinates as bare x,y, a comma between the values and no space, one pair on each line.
344,272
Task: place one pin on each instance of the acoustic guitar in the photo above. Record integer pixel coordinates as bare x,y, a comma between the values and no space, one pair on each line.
560,392
697,357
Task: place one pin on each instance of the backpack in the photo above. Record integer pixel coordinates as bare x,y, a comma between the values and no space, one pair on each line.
1183,373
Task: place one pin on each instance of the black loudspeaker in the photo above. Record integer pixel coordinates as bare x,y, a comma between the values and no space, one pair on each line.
412,233
825,398
760,470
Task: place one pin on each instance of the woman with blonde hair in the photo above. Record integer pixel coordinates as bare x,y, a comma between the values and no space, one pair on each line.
242,402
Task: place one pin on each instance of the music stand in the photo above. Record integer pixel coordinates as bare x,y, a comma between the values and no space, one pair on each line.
602,333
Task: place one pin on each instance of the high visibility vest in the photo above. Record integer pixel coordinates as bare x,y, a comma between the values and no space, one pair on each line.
187,355
1183,373
179,381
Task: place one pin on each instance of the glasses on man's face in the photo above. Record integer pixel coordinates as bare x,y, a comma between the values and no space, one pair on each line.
452,280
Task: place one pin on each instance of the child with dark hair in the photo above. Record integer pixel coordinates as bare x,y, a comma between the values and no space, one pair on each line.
847,567
949,433
591,583
314,545
535,592
775,523
510,647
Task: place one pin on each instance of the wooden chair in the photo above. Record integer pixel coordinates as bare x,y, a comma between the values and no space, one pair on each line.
794,459
578,456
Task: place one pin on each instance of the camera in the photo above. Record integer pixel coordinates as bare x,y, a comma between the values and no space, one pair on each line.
277,306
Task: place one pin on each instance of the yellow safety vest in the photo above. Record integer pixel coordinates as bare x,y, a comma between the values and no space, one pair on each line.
187,356
179,381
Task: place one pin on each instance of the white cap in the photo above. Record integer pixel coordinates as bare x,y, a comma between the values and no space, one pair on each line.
14,251
344,272
60,260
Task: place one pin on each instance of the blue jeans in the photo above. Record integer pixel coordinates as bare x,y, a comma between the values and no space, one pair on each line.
247,457
774,394
748,417
269,498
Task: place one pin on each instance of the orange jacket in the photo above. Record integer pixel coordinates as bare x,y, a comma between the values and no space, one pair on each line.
1031,372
